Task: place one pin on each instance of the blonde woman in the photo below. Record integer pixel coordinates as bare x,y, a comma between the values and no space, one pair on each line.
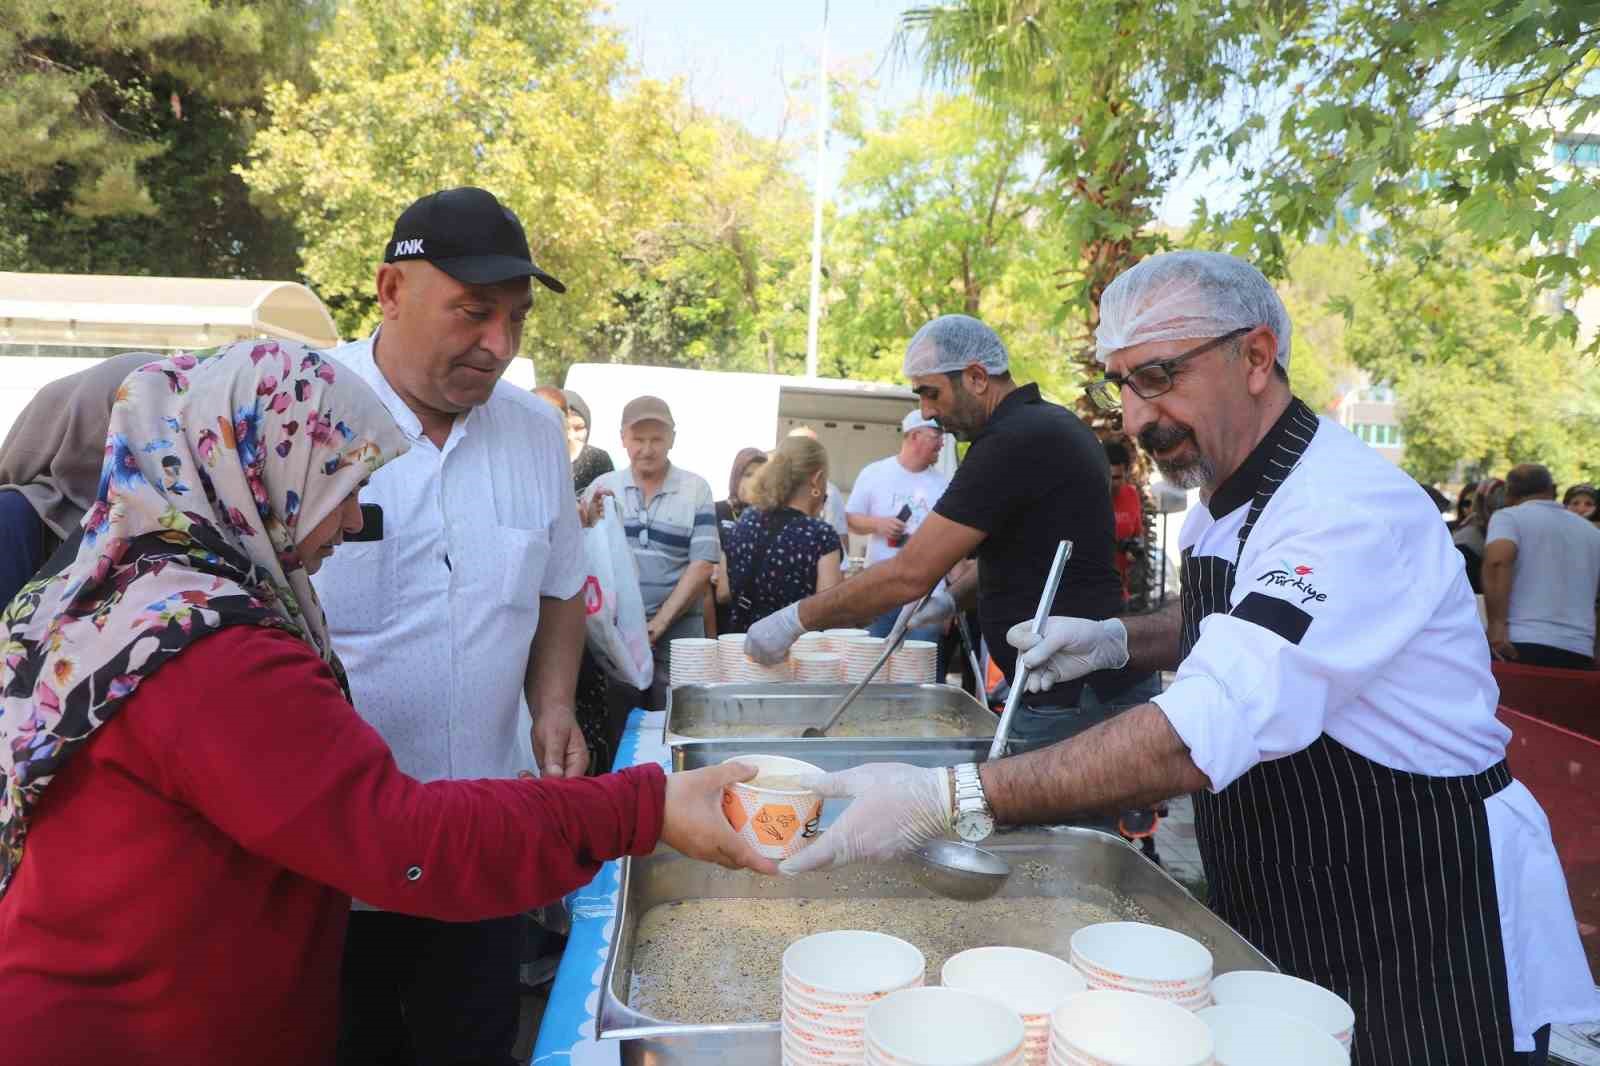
779,551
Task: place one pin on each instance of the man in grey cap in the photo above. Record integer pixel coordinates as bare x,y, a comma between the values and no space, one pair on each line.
1034,474
458,614
671,523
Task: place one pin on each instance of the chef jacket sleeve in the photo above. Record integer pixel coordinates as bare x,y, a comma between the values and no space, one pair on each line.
1322,599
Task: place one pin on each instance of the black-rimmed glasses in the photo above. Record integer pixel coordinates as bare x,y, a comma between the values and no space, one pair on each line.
1151,379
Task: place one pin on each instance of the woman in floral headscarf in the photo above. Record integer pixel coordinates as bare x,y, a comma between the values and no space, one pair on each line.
189,801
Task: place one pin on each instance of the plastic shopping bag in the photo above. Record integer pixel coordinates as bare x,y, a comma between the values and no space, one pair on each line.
616,628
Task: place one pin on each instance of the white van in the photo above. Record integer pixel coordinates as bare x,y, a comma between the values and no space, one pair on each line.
719,413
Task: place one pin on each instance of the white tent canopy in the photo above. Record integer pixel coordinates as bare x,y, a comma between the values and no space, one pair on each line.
135,313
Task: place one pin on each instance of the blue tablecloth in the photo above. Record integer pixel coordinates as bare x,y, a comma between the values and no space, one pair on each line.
567,1032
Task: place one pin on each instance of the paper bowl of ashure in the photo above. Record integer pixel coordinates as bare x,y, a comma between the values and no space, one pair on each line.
772,811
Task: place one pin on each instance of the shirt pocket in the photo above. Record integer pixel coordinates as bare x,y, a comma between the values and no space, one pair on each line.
357,587
523,555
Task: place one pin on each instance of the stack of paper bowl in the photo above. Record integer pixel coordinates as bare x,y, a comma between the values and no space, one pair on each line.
1134,957
812,641
1110,1028
943,1027
730,656
751,671
1261,1036
914,662
830,981
836,639
859,655
817,667
1309,1002
1029,982
693,661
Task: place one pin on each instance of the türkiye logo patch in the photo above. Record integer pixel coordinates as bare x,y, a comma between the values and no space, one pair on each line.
1294,576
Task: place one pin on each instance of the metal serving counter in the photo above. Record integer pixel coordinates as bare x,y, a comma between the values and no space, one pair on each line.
747,711
1080,864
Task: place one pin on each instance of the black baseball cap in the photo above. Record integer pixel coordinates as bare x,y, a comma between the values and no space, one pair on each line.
469,235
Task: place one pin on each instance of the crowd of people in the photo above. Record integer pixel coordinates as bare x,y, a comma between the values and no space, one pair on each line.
297,719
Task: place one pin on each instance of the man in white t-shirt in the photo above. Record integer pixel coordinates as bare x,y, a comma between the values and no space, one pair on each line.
1541,566
892,496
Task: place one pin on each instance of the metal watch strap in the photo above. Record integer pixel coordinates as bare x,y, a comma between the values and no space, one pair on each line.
968,790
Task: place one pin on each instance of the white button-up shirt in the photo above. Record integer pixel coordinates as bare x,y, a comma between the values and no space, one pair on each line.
1351,616
435,622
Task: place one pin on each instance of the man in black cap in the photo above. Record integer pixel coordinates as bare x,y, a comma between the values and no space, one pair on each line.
460,611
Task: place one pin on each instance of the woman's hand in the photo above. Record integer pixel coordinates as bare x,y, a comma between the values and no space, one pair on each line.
695,825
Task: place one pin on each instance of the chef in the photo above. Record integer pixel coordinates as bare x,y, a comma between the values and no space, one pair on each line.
1333,711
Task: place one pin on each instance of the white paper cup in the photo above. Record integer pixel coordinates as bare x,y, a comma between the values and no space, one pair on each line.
943,1027
1029,982
1262,1036
1148,956
1304,999
777,821
851,965
1127,1029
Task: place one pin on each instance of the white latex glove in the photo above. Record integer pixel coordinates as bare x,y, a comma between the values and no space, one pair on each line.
894,809
769,640
1068,648
941,606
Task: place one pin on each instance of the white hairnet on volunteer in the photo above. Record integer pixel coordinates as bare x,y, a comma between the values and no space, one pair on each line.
1188,296
951,343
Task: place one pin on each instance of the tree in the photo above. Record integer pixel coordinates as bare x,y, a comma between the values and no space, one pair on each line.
938,213
1424,119
1474,391
1107,90
531,100
122,124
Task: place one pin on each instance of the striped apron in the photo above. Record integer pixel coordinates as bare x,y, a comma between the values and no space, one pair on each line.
1375,883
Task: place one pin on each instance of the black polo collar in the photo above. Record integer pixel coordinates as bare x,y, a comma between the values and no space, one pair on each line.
1020,397
1283,445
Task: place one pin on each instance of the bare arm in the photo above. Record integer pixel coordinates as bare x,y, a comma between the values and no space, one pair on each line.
690,587
1498,557
828,574
864,524
937,545
963,588
1154,639
1134,759
724,594
551,684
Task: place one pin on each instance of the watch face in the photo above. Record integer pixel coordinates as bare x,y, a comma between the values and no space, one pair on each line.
973,826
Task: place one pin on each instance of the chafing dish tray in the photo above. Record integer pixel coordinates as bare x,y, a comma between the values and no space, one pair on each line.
1057,868
741,711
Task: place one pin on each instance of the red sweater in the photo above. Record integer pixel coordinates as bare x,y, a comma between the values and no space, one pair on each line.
183,893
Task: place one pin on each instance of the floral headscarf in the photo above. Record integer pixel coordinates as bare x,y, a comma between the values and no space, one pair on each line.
213,462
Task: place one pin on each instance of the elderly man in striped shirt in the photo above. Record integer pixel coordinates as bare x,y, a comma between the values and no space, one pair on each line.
671,526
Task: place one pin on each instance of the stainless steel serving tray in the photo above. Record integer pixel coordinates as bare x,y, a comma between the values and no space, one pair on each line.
833,753
1082,863
747,711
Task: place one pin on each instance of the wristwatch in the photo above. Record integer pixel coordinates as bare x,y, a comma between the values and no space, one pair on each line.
970,814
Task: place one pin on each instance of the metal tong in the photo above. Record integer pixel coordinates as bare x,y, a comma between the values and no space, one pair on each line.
1019,676
896,637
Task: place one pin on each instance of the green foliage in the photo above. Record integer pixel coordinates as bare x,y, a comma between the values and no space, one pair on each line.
939,214
1428,119
121,123
1472,387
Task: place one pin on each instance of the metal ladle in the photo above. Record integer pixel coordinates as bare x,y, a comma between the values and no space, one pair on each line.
954,868
897,636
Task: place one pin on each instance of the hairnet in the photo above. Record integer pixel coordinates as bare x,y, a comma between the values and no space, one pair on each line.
951,343
1188,295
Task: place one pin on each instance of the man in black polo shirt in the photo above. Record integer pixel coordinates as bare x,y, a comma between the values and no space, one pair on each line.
1034,475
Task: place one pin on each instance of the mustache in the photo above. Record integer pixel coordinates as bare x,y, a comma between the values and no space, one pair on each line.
1158,437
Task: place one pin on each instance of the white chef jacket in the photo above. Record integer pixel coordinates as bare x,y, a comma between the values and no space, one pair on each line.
435,622
1369,632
